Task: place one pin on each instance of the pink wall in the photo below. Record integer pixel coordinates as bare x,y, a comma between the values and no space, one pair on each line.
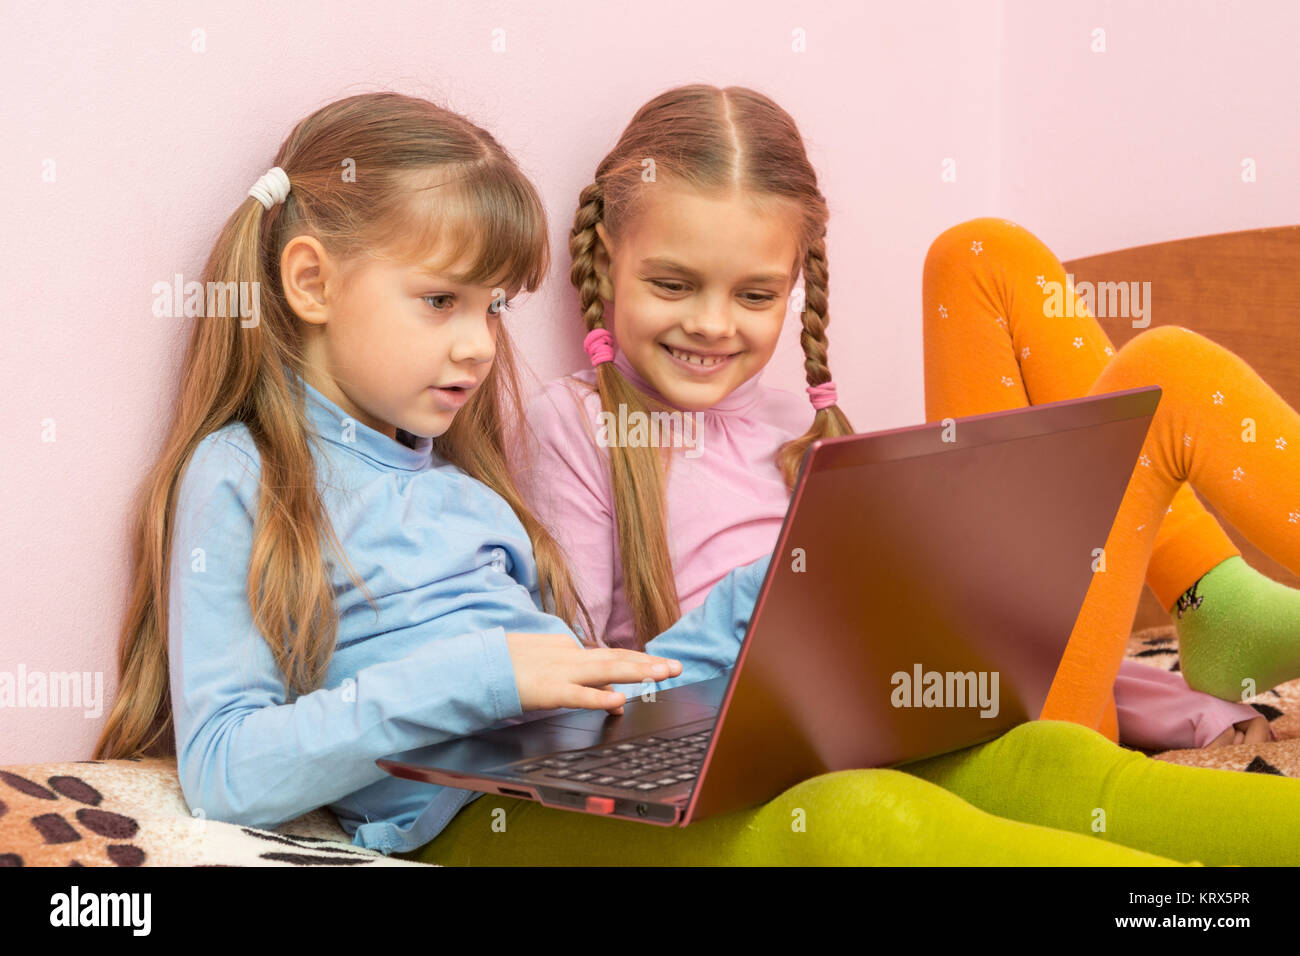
1145,142
153,143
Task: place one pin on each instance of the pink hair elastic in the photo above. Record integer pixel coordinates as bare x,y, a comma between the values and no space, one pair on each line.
599,344
822,395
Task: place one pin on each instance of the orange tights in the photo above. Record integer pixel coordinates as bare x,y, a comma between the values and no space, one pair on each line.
990,344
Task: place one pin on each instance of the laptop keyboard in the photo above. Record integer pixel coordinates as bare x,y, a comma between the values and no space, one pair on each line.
642,765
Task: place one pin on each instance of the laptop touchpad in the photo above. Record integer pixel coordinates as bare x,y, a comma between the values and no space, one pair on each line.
638,717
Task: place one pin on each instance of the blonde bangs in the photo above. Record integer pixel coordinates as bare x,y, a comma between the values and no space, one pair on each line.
477,226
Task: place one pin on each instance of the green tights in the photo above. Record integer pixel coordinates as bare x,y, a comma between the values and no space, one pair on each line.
1045,793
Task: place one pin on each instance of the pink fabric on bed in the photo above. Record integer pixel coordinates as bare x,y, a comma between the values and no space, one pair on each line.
1158,711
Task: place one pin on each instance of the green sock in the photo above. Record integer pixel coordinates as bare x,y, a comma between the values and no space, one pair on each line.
1238,631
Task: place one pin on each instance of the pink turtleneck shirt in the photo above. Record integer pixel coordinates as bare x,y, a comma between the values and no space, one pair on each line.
726,500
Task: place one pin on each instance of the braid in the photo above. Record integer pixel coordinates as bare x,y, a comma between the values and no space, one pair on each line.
829,422
813,336
637,474
582,247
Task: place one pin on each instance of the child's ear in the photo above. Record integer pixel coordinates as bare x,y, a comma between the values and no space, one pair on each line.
305,273
600,255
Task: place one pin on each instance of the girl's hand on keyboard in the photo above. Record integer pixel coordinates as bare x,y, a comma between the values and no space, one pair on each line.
552,671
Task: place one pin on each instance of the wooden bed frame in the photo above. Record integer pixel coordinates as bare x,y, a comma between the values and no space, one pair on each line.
1241,289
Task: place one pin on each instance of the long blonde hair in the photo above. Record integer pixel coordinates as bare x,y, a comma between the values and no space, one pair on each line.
710,139
363,171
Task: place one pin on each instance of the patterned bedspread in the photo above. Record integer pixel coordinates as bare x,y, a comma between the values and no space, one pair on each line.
132,813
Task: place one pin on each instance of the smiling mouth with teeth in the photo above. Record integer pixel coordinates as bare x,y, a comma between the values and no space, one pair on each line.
704,361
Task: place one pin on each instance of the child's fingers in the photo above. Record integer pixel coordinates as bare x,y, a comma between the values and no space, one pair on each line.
585,678
592,698
619,666
613,710
625,654
1253,731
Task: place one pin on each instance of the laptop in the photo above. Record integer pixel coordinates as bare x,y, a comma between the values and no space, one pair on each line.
920,597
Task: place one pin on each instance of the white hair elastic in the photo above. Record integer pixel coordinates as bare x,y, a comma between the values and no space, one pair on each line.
271,188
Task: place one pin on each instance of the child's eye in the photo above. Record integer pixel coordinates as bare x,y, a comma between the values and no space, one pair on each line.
679,286
493,310
754,298
443,295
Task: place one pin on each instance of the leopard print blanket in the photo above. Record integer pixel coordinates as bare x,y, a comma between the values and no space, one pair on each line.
132,812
